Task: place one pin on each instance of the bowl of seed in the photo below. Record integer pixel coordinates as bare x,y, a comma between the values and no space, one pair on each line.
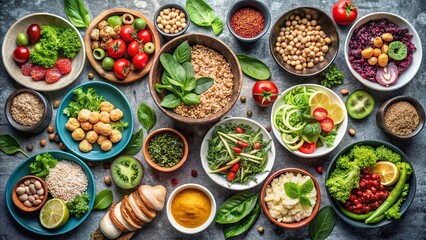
28,111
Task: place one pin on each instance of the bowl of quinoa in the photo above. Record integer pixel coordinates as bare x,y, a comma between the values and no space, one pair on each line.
210,57
374,25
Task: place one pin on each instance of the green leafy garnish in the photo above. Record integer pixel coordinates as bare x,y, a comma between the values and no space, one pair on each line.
10,145
254,67
323,224
103,199
40,167
135,144
79,206
332,76
217,26
236,207
83,100
295,191
203,15
146,116
235,229
119,125
77,13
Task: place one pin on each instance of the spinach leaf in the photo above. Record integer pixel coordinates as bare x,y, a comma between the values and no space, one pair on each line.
236,207
146,116
200,12
323,224
190,85
203,83
254,67
189,70
10,145
183,53
77,13
312,131
175,70
169,87
191,98
103,199
232,230
165,78
170,101
217,26
135,144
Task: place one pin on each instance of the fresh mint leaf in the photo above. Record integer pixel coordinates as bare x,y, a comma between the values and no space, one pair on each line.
304,201
292,190
307,187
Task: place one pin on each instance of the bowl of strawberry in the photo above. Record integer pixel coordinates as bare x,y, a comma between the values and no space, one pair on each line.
43,52
370,183
120,44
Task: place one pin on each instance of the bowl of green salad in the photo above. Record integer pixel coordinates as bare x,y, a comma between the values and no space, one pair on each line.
309,120
237,153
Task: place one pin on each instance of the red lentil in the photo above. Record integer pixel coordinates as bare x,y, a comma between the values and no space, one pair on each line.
247,22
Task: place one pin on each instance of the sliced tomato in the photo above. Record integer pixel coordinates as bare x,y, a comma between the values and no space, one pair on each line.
308,148
231,176
242,144
239,130
235,167
257,145
327,124
320,113
237,150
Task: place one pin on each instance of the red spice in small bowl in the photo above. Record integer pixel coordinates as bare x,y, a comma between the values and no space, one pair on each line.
247,22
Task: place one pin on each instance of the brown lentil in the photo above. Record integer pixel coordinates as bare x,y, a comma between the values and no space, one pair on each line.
26,109
401,118
62,146
51,137
268,128
260,229
249,113
30,147
247,22
107,180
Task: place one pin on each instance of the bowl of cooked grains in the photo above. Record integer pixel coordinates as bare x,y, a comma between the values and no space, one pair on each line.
28,111
401,117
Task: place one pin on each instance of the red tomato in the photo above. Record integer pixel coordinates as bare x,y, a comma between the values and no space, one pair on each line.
308,148
140,60
134,48
239,130
264,93
127,34
235,167
231,176
237,150
242,144
116,48
327,124
33,32
344,12
144,36
21,54
122,68
257,145
320,113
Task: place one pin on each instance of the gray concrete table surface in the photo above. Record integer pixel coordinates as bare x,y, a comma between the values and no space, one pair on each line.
411,226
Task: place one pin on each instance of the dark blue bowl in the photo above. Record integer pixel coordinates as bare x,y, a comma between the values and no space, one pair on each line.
405,205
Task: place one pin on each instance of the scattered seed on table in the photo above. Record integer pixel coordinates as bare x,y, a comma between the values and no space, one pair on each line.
107,180
30,147
344,91
52,137
268,128
194,173
351,131
243,99
249,113
260,229
56,103
50,129
62,146
57,138
90,75
175,181
43,142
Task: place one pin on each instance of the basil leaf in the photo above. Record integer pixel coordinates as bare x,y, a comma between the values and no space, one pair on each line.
175,70
304,201
135,144
103,199
164,78
312,131
292,190
10,145
146,116
189,70
190,85
232,230
217,26
182,53
200,12
236,207
170,101
77,13
169,87
323,224
254,67
307,187
203,83
191,98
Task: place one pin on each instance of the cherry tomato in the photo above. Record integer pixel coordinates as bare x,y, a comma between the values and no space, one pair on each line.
144,36
235,167
33,32
231,176
242,144
327,124
257,145
344,12
140,60
239,130
126,33
116,48
320,113
134,48
237,150
21,54
308,148
264,93
122,68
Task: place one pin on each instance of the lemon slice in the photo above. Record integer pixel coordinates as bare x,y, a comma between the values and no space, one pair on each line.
389,173
335,112
319,99
54,214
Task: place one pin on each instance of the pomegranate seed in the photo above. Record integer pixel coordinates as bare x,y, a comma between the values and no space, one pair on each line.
175,181
194,173
318,169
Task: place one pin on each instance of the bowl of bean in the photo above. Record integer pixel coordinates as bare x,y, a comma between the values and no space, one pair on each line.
29,193
171,20
165,149
401,117
304,41
248,21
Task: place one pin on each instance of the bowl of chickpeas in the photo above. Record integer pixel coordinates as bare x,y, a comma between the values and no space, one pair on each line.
304,41
171,20
101,133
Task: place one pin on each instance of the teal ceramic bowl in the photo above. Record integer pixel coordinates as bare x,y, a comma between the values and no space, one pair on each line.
114,96
30,221
405,205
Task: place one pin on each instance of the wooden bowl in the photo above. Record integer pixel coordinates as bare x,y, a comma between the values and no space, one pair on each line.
148,157
9,45
304,221
97,65
19,204
208,41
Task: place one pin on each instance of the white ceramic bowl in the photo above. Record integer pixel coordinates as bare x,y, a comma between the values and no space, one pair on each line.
409,73
220,180
9,45
323,150
186,230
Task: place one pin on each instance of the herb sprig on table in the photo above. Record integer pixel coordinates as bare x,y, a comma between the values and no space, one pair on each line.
203,15
10,145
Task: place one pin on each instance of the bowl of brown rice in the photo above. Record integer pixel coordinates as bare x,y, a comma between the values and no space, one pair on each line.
210,57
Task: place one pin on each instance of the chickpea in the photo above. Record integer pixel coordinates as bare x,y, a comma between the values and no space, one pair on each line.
298,67
287,23
384,48
78,134
106,107
314,22
86,126
106,145
321,59
378,42
83,115
92,136
317,28
115,136
324,48
116,114
367,52
85,146
327,40
97,127
372,61
105,129
72,124
101,139
383,60
310,65
387,37
104,117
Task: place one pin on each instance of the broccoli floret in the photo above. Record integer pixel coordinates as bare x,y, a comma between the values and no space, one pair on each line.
342,181
394,211
363,156
344,162
69,43
385,154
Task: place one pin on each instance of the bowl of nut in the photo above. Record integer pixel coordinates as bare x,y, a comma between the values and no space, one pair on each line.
304,41
29,193
171,20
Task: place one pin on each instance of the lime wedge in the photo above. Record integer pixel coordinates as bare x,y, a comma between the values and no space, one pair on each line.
54,214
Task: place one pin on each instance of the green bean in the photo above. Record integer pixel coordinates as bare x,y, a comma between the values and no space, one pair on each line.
354,216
